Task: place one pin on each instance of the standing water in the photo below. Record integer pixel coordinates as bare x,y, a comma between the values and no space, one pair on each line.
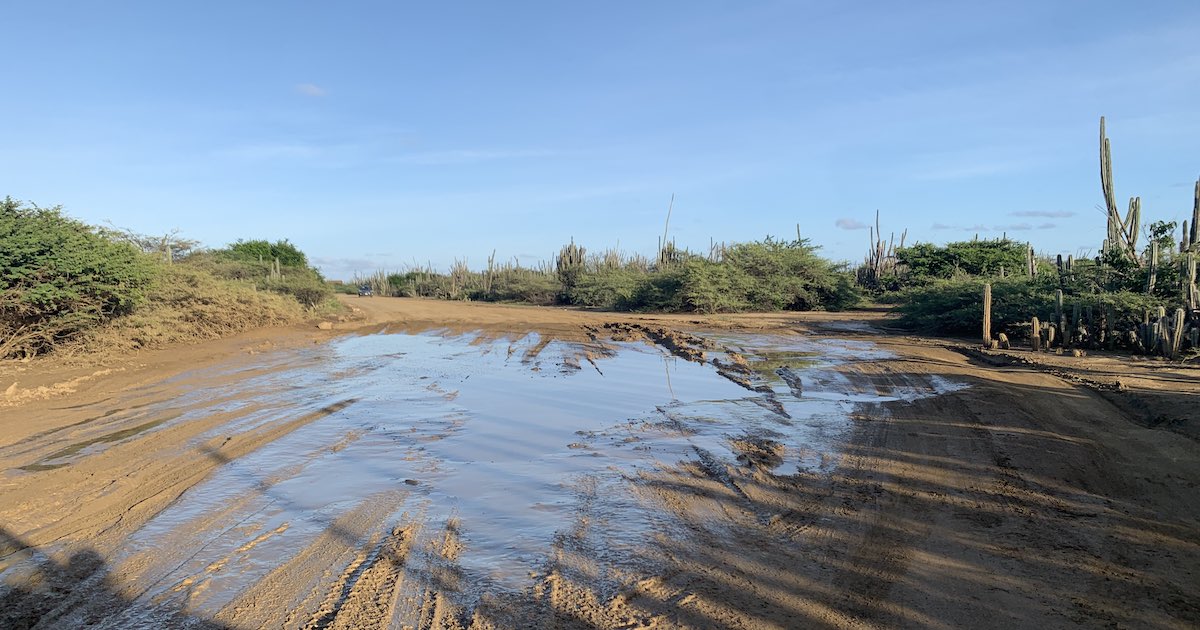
510,444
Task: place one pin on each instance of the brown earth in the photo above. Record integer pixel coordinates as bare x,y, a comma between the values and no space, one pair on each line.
1052,491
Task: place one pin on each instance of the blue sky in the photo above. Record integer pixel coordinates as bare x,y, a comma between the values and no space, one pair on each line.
378,135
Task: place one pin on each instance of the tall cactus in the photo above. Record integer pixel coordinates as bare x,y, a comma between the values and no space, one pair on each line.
1194,234
1059,315
987,314
1187,281
569,266
1122,233
1177,332
1153,275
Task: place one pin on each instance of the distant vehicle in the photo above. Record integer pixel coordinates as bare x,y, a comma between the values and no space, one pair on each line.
364,290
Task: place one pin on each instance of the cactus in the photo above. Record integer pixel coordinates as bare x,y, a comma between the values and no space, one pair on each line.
1059,314
1072,335
1194,235
1177,333
1110,318
1157,331
569,257
569,266
1191,296
1184,238
987,314
1152,277
1122,233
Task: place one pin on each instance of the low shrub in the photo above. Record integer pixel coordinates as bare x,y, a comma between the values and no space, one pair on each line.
955,307
59,277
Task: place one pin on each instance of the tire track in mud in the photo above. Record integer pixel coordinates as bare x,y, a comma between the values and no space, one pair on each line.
105,497
365,595
350,548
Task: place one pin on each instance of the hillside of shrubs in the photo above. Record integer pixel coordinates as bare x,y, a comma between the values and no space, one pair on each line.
69,287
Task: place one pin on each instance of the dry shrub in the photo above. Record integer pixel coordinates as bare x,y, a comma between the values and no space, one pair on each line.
189,305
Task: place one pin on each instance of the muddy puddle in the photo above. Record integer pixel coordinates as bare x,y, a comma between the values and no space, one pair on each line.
510,446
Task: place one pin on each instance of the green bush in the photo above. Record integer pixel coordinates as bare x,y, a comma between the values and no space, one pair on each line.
767,275
710,287
955,307
610,289
658,291
925,262
59,277
263,251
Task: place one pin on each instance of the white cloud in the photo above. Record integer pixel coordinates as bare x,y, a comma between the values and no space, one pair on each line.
967,228
467,156
273,151
309,89
1012,227
850,224
1049,214
347,268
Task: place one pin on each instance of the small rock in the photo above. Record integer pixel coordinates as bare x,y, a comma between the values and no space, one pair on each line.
1077,353
325,325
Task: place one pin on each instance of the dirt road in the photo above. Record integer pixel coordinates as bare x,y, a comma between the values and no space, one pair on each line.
961,489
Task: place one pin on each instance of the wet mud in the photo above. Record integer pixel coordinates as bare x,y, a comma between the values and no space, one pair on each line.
637,477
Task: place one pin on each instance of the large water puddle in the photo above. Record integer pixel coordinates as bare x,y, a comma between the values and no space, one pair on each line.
516,450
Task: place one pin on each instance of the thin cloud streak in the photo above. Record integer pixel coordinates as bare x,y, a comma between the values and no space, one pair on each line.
1049,214
979,227
467,156
308,89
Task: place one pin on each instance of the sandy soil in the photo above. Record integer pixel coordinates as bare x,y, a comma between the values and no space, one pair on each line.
1051,491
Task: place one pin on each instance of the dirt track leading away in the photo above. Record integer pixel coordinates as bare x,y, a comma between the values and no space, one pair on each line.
965,489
